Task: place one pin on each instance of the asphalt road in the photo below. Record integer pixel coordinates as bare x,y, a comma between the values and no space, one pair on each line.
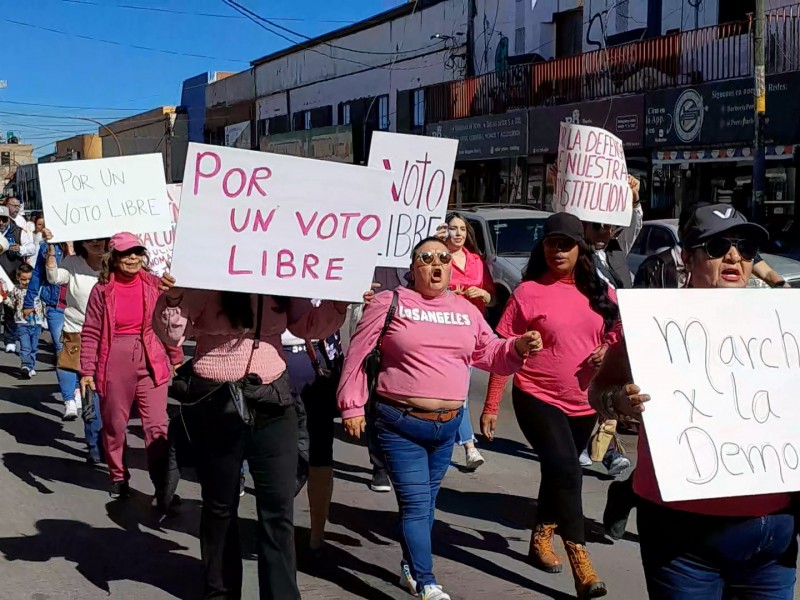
62,538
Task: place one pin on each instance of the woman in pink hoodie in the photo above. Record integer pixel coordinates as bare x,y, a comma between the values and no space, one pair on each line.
124,361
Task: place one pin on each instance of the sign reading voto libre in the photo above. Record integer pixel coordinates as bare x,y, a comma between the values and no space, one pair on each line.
722,420
91,199
265,223
417,197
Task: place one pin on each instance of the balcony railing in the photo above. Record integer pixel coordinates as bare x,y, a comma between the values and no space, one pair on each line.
685,58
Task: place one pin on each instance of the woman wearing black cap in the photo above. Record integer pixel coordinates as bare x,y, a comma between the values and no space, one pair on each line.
743,547
563,298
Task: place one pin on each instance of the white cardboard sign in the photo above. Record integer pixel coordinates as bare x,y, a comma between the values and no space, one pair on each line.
417,195
273,224
159,244
723,370
592,181
90,199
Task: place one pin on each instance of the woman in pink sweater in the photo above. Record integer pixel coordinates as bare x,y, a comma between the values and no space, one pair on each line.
563,297
432,339
124,361
238,340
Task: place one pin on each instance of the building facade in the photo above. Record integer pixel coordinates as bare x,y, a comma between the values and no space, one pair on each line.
88,145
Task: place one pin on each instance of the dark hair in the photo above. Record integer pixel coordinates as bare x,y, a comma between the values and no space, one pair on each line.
238,308
470,243
24,268
80,250
108,264
422,242
587,280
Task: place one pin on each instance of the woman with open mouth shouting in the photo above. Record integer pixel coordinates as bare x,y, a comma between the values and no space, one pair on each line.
743,547
470,277
427,337
563,297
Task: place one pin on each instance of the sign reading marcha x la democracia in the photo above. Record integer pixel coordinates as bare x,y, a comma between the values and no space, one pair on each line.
272,224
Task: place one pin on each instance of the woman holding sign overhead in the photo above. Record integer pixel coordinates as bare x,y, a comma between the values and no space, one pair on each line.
743,547
563,297
242,408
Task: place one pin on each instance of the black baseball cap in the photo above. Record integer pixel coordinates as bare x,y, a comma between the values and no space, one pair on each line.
564,224
711,220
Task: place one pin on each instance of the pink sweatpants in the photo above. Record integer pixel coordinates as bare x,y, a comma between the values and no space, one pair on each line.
129,381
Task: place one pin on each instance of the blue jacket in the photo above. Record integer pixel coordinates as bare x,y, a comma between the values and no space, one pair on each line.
47,292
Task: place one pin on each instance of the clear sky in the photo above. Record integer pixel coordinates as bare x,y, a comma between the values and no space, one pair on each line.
80,76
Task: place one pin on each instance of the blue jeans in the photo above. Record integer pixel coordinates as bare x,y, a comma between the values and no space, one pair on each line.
417,454
55,323
688,556
28,336
465,434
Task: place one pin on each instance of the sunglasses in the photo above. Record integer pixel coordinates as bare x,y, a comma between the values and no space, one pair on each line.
138,251
427,258
719,247
560,244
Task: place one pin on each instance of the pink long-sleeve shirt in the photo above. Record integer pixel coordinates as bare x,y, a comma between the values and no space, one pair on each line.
223,351
427,351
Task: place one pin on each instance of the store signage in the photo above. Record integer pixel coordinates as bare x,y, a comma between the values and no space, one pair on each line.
623,117
324,143
721,113
491,136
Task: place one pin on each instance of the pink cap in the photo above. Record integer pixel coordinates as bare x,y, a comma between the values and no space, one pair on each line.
122,242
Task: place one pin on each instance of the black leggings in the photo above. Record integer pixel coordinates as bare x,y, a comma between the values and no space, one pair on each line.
558,441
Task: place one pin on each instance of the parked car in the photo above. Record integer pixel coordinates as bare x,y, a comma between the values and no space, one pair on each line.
657,236
505,234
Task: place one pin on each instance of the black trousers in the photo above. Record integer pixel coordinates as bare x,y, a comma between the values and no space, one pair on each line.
221,441
558,441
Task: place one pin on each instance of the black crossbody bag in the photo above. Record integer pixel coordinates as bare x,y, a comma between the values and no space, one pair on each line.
372,362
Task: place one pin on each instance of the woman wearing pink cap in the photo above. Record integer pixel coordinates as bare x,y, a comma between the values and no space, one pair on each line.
118,339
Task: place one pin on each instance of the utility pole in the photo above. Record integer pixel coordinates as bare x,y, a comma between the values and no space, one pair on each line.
760,89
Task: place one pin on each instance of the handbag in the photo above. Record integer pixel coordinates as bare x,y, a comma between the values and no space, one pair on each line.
601,441
320,395
372,362
69,359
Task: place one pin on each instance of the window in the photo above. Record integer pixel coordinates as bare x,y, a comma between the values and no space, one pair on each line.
346,113
419,108
480,241
735,10
5,158
640,244
659,239
383,112
519,41
307,120
515,237
569,32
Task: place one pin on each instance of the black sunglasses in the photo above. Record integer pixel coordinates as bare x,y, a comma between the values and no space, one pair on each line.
560,243
138,251
427,258
719,247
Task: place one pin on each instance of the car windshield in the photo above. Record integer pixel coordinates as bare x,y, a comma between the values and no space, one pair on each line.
515,236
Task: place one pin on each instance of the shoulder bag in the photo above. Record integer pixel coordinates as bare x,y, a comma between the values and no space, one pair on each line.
372,363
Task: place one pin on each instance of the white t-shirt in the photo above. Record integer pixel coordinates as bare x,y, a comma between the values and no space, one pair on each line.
79,278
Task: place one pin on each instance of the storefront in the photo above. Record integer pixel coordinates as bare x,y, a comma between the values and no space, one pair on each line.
623,116
491,162
702,140
323,143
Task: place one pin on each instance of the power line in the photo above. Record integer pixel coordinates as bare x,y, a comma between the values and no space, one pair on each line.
114,43
199,14
70,107
335,46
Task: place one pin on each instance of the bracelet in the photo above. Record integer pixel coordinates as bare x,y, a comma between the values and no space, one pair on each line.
779,283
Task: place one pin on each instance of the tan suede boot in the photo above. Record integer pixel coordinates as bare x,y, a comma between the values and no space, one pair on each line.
320,490
541,554
587,583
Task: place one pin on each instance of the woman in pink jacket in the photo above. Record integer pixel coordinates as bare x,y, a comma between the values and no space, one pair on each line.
123,359
432,339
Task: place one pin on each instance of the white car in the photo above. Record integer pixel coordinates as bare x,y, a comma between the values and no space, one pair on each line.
657,236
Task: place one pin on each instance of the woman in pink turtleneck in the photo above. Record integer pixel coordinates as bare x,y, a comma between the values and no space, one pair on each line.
123,359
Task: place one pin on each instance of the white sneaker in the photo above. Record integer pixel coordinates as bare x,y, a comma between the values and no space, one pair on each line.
32,373
585,460
11,348
406,580
78,399
70,410
474,459
619,465
434,592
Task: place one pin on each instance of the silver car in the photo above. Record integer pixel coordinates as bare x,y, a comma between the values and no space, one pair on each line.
657,236
505,235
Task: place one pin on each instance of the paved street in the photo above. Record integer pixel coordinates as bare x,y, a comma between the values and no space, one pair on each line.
62,538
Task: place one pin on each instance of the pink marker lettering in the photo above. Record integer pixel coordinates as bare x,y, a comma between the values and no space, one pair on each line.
199,173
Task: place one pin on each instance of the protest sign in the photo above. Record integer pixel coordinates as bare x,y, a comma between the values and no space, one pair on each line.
722,419
90,199
592,180
418,193
273,224
159,244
